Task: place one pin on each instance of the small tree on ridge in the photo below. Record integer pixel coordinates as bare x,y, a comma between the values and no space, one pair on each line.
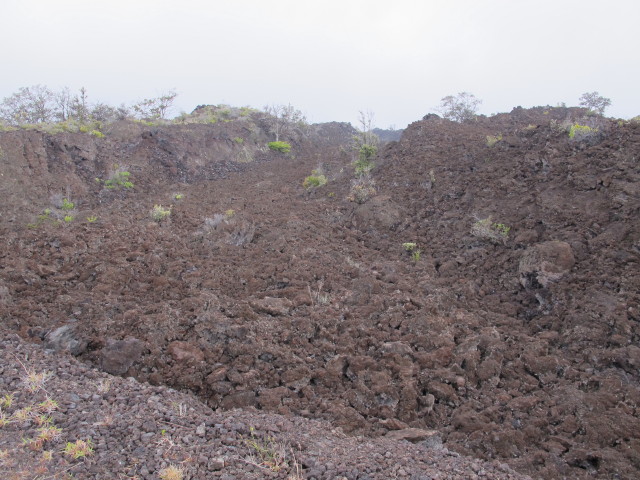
458,108
594,102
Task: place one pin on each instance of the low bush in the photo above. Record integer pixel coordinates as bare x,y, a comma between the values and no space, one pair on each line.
492,140
119,178
413,250
66,205
159,213
581,132
282,147
316,179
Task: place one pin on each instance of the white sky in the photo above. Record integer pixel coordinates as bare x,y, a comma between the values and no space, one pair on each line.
329,58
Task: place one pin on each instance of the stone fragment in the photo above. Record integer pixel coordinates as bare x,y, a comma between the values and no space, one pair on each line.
271,306
413,435
119,355
544,263
185,352
65,339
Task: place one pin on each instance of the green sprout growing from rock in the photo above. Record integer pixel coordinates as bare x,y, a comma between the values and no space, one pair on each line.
413,250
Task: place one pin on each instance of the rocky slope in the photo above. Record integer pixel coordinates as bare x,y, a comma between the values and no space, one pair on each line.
514,335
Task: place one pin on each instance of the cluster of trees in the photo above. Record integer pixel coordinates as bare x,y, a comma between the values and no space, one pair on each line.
464,105
39,104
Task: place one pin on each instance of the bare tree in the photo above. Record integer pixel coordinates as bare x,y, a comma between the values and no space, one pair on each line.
283,119
64,102
458,108
594,102
154,108
366,136
34,104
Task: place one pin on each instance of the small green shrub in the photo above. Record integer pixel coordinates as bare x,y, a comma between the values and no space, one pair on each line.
581,132
316,179
409,246
492,140
79,449
159,213
178,196
118,179
66,205
97,133
282,147
413,250
92,219
68,218
238,140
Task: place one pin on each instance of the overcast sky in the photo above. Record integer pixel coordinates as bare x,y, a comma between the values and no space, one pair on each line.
329,58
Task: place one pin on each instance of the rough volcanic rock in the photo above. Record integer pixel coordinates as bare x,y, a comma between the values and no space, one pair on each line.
544,263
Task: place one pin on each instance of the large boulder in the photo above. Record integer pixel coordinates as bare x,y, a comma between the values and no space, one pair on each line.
544,263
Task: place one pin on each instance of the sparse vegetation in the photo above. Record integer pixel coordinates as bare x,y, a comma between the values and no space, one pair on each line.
318,297
28,413
492,140
172,472
362,189
79,449
119,178
267,453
